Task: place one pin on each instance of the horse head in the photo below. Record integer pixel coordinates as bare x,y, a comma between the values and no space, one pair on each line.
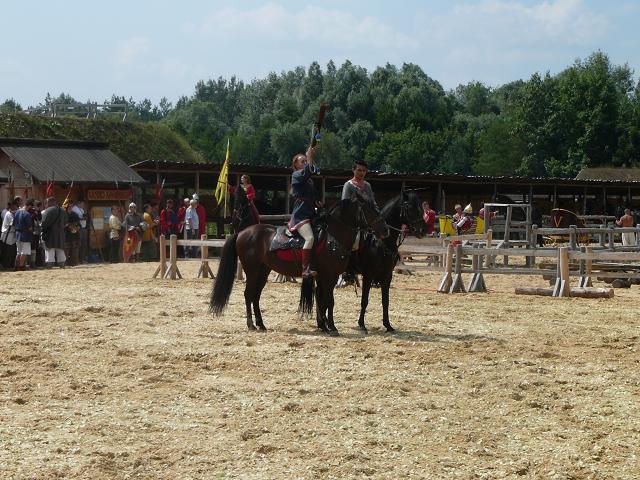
368,217
411,212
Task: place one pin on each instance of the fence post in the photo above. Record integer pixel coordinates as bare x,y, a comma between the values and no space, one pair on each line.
602,227
488,260
612,245
533,243
173,271
445,280
585,268
162,267
563,285
572,237
457,285
204,271
477,280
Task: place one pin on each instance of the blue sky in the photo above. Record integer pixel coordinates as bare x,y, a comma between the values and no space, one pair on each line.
141,48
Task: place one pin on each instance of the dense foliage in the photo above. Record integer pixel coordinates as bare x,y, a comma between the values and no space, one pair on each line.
400,119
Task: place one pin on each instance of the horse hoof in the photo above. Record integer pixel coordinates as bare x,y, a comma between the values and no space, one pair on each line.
251,327
333,333
363,329
262,328
390,329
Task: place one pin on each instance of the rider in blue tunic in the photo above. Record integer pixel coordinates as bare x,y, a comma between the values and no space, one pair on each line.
305,198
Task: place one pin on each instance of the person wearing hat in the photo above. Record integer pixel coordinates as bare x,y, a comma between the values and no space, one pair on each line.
202,216
463,225
132,223
191,225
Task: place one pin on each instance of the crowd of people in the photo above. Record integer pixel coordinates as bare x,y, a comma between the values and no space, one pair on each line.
36,237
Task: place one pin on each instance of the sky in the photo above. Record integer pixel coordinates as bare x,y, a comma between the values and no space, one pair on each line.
161,48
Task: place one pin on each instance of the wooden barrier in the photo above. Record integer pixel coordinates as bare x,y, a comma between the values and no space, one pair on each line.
581,292
171,271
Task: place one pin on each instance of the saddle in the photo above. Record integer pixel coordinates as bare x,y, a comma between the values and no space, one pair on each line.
285,239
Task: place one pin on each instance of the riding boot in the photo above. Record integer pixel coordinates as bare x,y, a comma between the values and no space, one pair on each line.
306,263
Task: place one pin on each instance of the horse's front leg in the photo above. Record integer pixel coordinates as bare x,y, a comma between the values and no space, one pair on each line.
330,302
386,284
320,310
364,301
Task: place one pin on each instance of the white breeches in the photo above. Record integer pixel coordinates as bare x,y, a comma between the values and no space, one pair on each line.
306,232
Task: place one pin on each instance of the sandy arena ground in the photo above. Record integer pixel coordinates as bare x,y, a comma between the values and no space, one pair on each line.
106,373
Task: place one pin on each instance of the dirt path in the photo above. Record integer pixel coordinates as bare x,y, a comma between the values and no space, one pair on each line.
106,373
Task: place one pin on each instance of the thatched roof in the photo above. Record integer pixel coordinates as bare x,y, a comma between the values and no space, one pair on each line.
610,173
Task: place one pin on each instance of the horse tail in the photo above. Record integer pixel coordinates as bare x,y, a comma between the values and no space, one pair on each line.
307,290
223,284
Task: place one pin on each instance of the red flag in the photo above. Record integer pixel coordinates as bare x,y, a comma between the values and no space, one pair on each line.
160,191
50,189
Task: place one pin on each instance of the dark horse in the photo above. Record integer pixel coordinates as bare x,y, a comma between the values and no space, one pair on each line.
376,258
331,252
243,215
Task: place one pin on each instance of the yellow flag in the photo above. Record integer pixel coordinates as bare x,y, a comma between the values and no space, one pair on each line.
221,188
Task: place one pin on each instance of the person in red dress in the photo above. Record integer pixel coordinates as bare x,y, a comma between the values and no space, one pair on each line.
429,217
251,195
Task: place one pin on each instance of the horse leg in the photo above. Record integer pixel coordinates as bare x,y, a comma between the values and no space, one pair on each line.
262,281
328,304
385,305
249,293
364,301
320,309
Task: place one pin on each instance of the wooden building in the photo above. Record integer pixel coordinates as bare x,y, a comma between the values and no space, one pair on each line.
582,195
86,171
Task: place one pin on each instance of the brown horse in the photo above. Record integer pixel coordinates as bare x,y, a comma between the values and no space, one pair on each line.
331,253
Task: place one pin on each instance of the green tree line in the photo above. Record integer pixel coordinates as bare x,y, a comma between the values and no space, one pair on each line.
400,119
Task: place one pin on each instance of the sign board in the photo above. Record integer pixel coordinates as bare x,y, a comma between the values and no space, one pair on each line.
108,195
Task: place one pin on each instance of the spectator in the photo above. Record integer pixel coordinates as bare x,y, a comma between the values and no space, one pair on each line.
8,237
37,255
23,224
133,225
72,235
169,220
54,220
429,217
79,209
202,216
148,235
191,225
115,227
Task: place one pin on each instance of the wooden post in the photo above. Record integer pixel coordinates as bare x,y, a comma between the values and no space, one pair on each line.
585,268
563,285
533,243
457,285
612,245
445,281
204,271
573,237
477,280
507,232
173,271
602,227
488,260
162,268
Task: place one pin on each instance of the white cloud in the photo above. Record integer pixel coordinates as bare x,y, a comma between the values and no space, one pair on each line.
505,22
274,23
131,49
